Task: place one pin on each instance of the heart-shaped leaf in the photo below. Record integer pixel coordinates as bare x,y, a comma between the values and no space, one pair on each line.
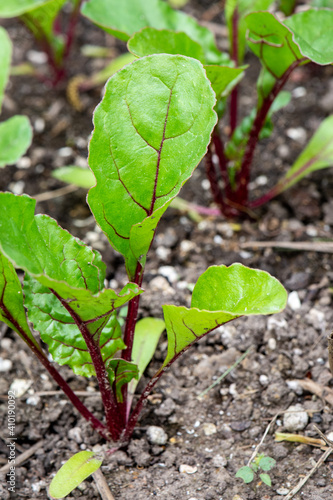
15,138
151,130
221,294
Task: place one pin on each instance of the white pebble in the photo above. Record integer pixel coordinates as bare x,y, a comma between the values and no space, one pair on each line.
65,152
5,365
282,491
295,387
271,343
39,125
295,419
263,380
219,461
19,386
205,184
209,428
169,272
163,253
33,400
23,162
299,92
297,134
294,301
17,187
36,57
156,435
188,469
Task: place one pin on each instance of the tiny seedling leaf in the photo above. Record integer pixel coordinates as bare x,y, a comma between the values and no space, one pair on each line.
151,130
73,472
224,78
15,138
266,463
266,479
245,473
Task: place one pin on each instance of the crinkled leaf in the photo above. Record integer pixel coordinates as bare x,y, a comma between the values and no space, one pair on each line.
239,9
59,331
266,479
15,138
245,473
317,155
313,33
152,41
73,472
82,177
151,130
15,8
221,294
224,78
272,42
266,463
146,337
56,259
5,58
11,302
123,19
121,372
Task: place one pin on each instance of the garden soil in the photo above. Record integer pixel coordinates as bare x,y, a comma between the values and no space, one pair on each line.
209,438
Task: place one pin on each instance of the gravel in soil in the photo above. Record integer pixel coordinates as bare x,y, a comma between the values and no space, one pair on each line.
199,444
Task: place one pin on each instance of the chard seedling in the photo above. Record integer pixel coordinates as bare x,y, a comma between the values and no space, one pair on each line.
261,462
16,132
151,26
151,129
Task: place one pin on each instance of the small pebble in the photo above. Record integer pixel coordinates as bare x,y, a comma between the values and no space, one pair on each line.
188,469
36,57
294,301
169,273
33,400
20,386
76,435
296,419
209,429
24,162
219,461
263,380
156,435
5,365
297,134
282,491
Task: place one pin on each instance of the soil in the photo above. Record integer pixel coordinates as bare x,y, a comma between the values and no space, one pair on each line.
208,439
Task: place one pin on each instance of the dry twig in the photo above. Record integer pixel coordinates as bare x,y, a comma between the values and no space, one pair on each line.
23,457
102,485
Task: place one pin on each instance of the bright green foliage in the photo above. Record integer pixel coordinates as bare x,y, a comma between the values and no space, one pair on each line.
15,138
122,372
11,301
152,41
224,78
5,58
40,21
247,473
144,131
17,7
241,8
317,155
272,42
147,335
82,177
73,472
312,32
221,294
123,19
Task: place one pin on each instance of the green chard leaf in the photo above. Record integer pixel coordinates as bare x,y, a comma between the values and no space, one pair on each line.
57,260
59,331
11,302
145,145
73,472
15,138
152,41
121,372
5,58
123,19
223,78
221,294
312,32
17,7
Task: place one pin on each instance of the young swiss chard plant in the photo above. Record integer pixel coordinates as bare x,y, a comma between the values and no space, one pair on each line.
151,26
150,131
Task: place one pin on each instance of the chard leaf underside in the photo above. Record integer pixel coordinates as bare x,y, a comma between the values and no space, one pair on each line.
151,130
221,294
